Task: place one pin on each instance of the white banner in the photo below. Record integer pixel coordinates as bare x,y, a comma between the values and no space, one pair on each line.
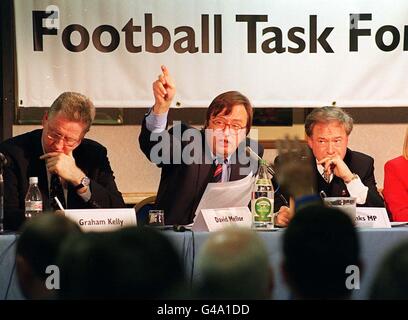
280,53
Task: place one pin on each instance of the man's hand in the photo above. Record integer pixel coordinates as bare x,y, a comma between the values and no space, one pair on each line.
64,166
283,217
164,90
337,166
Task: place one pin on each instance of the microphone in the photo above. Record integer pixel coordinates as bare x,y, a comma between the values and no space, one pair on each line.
251,153
179,228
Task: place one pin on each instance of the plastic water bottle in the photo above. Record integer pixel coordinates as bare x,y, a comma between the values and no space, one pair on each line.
33,199
262,200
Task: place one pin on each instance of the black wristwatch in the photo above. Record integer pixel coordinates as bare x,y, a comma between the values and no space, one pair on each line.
85,182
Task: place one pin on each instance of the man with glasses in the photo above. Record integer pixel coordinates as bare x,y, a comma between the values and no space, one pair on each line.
70,167
191,158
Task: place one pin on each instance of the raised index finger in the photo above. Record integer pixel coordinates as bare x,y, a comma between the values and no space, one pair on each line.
165,71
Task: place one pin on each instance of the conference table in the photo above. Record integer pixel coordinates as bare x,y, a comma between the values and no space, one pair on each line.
374,243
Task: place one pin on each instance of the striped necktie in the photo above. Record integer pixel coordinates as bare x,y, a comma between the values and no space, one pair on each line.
217,176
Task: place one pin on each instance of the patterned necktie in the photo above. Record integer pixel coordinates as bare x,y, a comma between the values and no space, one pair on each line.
217,176
56,190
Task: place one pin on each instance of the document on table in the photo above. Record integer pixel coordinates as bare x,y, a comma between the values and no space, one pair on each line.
226,194
399,224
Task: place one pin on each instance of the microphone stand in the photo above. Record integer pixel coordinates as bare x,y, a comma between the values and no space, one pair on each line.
3,162
1,200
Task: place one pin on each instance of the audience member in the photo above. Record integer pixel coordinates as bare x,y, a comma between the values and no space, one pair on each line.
37,248
318,246
132,263
233,264
391,280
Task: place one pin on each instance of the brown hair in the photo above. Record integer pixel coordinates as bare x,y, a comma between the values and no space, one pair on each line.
75,107
226,101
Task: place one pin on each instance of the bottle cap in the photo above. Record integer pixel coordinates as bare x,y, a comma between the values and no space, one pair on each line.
263,162
33,180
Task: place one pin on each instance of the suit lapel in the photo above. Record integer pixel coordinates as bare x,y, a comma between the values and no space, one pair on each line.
206,168
37,166
235,172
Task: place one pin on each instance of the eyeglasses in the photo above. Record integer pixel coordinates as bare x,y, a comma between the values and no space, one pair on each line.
69,142
221,125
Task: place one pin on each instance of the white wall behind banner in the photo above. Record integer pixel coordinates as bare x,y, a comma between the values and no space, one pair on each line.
280,53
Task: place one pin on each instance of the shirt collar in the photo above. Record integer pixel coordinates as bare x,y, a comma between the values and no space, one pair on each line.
320,168
218,160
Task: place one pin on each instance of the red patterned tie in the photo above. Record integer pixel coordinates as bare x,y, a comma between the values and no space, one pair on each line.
217,173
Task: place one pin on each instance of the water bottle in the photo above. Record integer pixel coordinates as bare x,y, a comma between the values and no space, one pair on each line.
262,199
33,199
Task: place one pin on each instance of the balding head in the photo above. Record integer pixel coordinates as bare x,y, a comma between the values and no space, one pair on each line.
233,264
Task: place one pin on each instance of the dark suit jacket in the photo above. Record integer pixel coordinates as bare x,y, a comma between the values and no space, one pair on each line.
23,152
358,163
182,185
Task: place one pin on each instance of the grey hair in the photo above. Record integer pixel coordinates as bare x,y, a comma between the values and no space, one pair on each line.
75,107
328,114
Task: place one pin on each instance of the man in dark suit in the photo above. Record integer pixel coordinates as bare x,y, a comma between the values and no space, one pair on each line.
340,172
191,158
68,166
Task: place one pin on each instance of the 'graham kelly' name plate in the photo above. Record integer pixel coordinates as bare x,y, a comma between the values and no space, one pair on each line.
102,219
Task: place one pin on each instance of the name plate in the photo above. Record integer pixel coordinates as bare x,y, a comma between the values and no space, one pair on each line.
216,219
102,219
372,218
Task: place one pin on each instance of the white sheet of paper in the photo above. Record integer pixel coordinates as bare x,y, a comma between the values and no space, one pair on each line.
226,194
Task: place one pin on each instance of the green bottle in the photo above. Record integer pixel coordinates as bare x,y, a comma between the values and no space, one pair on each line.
262,199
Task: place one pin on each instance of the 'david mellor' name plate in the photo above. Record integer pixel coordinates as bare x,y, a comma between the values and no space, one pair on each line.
102,219
216,219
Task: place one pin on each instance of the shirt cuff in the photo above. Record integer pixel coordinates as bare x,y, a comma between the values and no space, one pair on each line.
86,196
357,190
156,122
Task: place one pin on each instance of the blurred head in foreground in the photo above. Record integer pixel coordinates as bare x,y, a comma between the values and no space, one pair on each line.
233,264
132,263
37,249
391,280
318,246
